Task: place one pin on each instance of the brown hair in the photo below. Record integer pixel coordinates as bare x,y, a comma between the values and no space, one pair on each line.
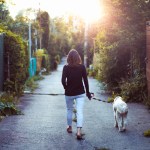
73,58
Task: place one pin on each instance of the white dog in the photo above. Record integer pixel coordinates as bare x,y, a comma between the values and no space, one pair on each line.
120,109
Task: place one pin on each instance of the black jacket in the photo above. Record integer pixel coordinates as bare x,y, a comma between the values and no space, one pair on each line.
72,80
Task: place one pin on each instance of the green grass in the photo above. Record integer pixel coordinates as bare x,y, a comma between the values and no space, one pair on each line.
147,133
31,83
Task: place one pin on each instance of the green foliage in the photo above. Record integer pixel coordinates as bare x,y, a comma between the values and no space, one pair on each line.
60,40
134,89
7,109
31,83
4,13
20,27
111,99
37,78
16,63
105,61
39,53
7,106
7,97
91,72
147,133
120,49
43,54
44,21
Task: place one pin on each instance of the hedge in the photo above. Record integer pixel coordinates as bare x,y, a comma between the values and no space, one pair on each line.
16,63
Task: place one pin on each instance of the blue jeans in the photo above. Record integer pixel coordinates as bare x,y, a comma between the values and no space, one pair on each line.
79,100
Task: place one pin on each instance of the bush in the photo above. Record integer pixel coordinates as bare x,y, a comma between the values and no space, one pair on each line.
134,89
7,109
111,99
7,97
91,72
43,60
16,63
7,105
30,84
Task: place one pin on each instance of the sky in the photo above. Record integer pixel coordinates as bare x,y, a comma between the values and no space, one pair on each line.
88,9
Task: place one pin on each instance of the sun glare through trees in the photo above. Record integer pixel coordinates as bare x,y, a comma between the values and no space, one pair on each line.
90,10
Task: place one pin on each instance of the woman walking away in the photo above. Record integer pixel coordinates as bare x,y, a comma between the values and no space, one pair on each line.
73,76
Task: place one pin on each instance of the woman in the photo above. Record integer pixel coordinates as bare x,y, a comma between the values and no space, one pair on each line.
74,73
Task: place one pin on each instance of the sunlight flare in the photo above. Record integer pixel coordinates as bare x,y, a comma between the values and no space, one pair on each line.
90,10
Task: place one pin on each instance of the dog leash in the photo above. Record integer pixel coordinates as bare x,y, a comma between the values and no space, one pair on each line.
98,99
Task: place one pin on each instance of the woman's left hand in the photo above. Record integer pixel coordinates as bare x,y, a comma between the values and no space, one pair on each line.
89,95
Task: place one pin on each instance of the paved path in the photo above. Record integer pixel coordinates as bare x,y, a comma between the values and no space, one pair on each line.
43,125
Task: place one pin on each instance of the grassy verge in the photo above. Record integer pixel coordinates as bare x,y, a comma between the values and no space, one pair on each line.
8,105
31,83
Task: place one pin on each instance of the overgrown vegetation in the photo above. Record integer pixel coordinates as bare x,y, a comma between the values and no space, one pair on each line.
31,84
119,49
8,105
15,63
7,109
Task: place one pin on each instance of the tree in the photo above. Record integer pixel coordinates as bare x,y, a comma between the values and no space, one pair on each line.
59,43
4,13
44,22
120,44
